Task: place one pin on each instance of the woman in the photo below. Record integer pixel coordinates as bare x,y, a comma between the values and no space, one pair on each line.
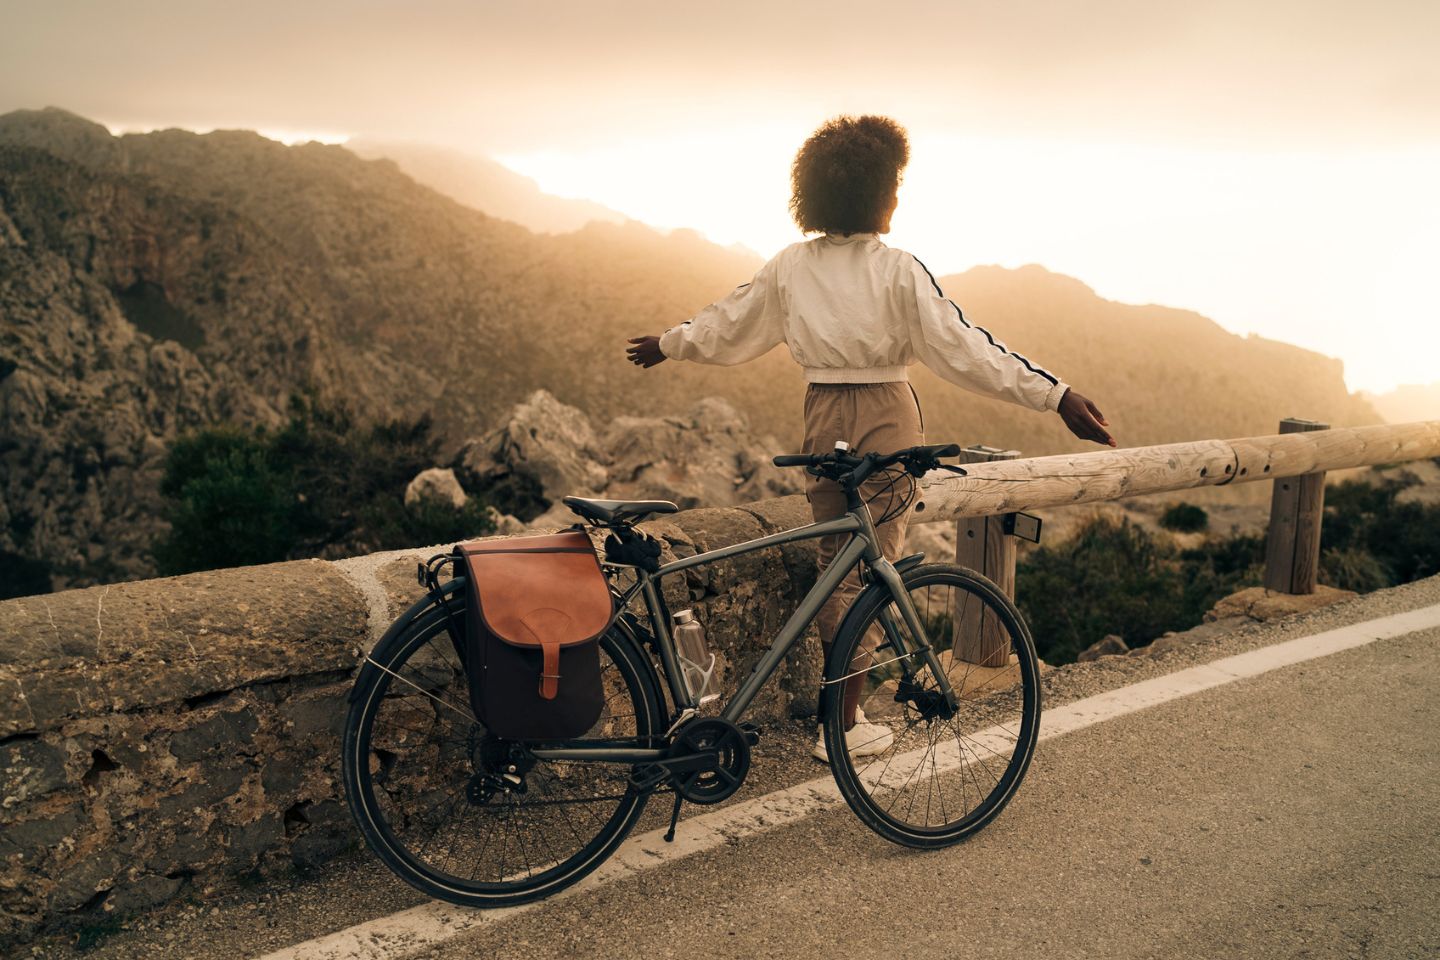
855,314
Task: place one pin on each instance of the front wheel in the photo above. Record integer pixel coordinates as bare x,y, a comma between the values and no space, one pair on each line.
930,774
465,817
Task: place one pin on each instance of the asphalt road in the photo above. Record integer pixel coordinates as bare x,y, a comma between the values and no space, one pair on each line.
1292,814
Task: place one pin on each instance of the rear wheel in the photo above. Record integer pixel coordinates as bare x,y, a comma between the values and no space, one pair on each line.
945,773
468,818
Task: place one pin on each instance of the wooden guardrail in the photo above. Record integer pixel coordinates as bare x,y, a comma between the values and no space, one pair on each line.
998,486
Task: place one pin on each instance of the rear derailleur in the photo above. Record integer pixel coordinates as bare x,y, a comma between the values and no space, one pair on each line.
500,768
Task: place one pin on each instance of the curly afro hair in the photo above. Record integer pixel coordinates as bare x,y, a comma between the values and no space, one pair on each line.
845,174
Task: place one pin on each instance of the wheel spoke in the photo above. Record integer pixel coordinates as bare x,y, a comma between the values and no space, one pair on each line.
472,819
943,776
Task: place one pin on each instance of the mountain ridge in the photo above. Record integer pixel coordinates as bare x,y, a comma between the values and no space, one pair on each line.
156,283
486,185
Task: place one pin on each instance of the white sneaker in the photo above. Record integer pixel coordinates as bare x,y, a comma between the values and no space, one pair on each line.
861,740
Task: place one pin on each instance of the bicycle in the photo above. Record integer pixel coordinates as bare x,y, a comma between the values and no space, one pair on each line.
470,819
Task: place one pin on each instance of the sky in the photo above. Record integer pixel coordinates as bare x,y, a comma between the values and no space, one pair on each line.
1272,164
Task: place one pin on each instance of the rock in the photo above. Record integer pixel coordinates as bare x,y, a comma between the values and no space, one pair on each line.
147,891
1257,603
505,523
543,450
319,714
706,458
977,682
1204,631
1111,646
29,769
1161,646
39,837
935,540
247,843
881,704
223,731
437,483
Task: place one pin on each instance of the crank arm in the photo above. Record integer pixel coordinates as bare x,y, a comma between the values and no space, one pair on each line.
655,774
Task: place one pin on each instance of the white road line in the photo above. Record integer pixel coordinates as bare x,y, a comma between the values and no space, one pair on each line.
400,933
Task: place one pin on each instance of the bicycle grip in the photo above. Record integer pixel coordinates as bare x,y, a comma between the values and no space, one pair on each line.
793,459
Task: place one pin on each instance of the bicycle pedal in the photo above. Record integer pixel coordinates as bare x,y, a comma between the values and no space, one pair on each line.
653,775
752,733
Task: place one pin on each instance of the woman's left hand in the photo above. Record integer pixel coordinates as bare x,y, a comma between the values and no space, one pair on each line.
646,352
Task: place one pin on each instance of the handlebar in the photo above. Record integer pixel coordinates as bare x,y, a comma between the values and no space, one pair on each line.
848,469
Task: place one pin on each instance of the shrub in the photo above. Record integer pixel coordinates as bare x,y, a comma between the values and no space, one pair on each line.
1185,518
1109,578
1116,578
232,506
1352,569
1402,537
321,485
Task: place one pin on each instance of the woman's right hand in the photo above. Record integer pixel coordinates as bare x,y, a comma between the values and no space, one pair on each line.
646,352
1084,419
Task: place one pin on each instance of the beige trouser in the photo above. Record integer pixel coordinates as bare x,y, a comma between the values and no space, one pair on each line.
871,417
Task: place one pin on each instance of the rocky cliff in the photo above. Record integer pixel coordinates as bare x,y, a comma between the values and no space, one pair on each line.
154,283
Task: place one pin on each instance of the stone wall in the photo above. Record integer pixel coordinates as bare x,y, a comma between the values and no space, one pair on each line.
164,737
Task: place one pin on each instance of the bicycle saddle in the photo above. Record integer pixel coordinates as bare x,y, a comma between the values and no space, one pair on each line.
617,511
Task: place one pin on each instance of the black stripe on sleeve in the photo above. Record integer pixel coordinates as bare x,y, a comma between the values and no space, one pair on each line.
970,326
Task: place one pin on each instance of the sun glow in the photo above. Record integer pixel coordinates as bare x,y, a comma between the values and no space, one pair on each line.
1330,251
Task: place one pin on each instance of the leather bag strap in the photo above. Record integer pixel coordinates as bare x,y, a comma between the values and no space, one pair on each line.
550,671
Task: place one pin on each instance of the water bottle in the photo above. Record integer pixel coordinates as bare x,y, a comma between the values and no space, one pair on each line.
697,663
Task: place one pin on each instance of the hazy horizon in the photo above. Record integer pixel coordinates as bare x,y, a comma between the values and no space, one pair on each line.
1271,167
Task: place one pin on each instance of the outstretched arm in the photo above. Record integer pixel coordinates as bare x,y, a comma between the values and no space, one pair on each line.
971,357
737,328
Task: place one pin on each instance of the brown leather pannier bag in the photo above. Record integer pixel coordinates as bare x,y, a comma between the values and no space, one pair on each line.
535,610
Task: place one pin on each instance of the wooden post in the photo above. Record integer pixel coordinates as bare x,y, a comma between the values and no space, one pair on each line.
1292,543
982,544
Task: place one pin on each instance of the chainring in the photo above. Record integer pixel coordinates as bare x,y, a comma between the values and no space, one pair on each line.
732,759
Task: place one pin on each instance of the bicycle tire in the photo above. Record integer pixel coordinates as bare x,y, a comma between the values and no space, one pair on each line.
416,755
980,753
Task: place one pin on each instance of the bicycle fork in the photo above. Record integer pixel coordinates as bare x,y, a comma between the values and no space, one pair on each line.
904,650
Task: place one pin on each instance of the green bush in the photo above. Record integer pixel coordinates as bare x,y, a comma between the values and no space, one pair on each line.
1185,518
1117,578
1352,569
1109,578
321,485
232,506
1403,538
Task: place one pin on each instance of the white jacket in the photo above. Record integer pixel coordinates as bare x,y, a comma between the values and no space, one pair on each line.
853,310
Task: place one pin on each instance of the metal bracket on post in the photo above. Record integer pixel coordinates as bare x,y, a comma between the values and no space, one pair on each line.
1292,541
985,545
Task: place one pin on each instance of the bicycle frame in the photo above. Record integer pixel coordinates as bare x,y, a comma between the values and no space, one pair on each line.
861,546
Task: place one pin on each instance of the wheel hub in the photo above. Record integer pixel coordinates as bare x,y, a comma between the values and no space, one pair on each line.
930,704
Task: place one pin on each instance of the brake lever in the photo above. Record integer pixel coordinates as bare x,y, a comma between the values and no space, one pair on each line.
919,470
